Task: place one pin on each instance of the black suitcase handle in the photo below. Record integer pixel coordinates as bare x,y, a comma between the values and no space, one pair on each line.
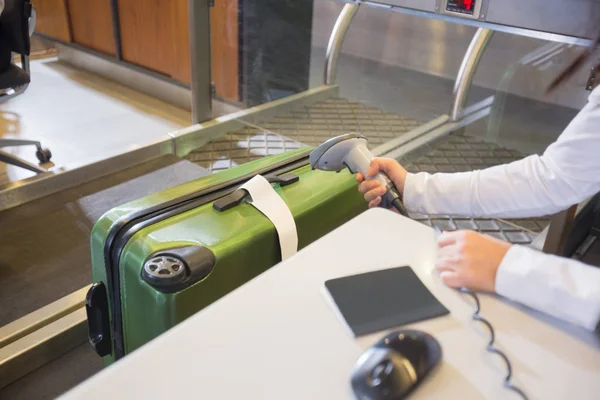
235,198
96,307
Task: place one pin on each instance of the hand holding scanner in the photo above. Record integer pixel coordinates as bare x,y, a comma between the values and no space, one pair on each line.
350,151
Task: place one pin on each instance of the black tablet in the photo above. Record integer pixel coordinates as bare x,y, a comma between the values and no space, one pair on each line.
384,299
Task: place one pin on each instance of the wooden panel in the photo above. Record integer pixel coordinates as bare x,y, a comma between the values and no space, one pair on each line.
52,19
91,24
154,34
224,42
181,68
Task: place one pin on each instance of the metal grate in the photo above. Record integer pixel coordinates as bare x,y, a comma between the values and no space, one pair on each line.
458,153
312,125
305,126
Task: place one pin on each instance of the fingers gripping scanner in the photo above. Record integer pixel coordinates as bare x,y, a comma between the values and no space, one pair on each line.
350,151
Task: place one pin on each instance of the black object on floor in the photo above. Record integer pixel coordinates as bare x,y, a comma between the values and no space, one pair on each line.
379,300
45,244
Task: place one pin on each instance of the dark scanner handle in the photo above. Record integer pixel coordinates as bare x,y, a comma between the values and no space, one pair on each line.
96,307
235,198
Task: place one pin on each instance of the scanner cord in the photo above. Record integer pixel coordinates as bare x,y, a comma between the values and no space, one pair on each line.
491,347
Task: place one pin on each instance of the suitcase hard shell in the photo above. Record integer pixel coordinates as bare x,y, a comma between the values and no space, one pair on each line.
206,253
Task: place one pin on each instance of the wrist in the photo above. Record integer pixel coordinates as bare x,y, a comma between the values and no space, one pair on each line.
499,256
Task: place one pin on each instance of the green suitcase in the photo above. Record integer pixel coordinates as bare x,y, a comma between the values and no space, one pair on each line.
209,252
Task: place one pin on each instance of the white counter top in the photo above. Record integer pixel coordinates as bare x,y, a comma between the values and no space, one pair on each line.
277,337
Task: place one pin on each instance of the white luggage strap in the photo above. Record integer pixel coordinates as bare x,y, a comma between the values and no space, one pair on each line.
266,200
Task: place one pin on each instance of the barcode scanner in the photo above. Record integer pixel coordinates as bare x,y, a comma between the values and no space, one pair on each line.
350,151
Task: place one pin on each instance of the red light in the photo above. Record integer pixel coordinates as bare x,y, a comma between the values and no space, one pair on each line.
468,4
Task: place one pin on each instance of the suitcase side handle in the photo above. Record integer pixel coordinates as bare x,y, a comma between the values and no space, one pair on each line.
96,307
235,198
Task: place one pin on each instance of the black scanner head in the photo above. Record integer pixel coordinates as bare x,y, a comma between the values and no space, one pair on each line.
395,366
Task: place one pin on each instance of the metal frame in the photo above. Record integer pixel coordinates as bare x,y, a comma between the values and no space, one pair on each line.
440,126
188,139
336,40
28,324
467,69
41,336
114,8
552,37
42,346
199,17
468,116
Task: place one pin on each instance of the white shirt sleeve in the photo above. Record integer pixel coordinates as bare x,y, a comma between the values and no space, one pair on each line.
563,288
567,173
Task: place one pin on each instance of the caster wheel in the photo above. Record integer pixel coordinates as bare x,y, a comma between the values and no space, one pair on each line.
44,155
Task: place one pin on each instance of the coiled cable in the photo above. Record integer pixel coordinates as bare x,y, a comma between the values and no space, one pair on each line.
491,346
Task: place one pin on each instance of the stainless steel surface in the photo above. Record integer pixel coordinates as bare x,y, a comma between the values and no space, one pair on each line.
425,5
573,18
199,21
390,145
42,346
28,324
415,78
135,78
556,24
467,70
20,192
189,139
475,113
336,40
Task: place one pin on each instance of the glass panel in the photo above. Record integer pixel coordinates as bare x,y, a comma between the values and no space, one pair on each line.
399,63
517,71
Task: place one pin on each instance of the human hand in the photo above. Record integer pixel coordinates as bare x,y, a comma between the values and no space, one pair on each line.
467,259
373,190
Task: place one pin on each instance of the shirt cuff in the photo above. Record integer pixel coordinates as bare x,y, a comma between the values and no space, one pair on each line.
510,273
563,288
409,193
